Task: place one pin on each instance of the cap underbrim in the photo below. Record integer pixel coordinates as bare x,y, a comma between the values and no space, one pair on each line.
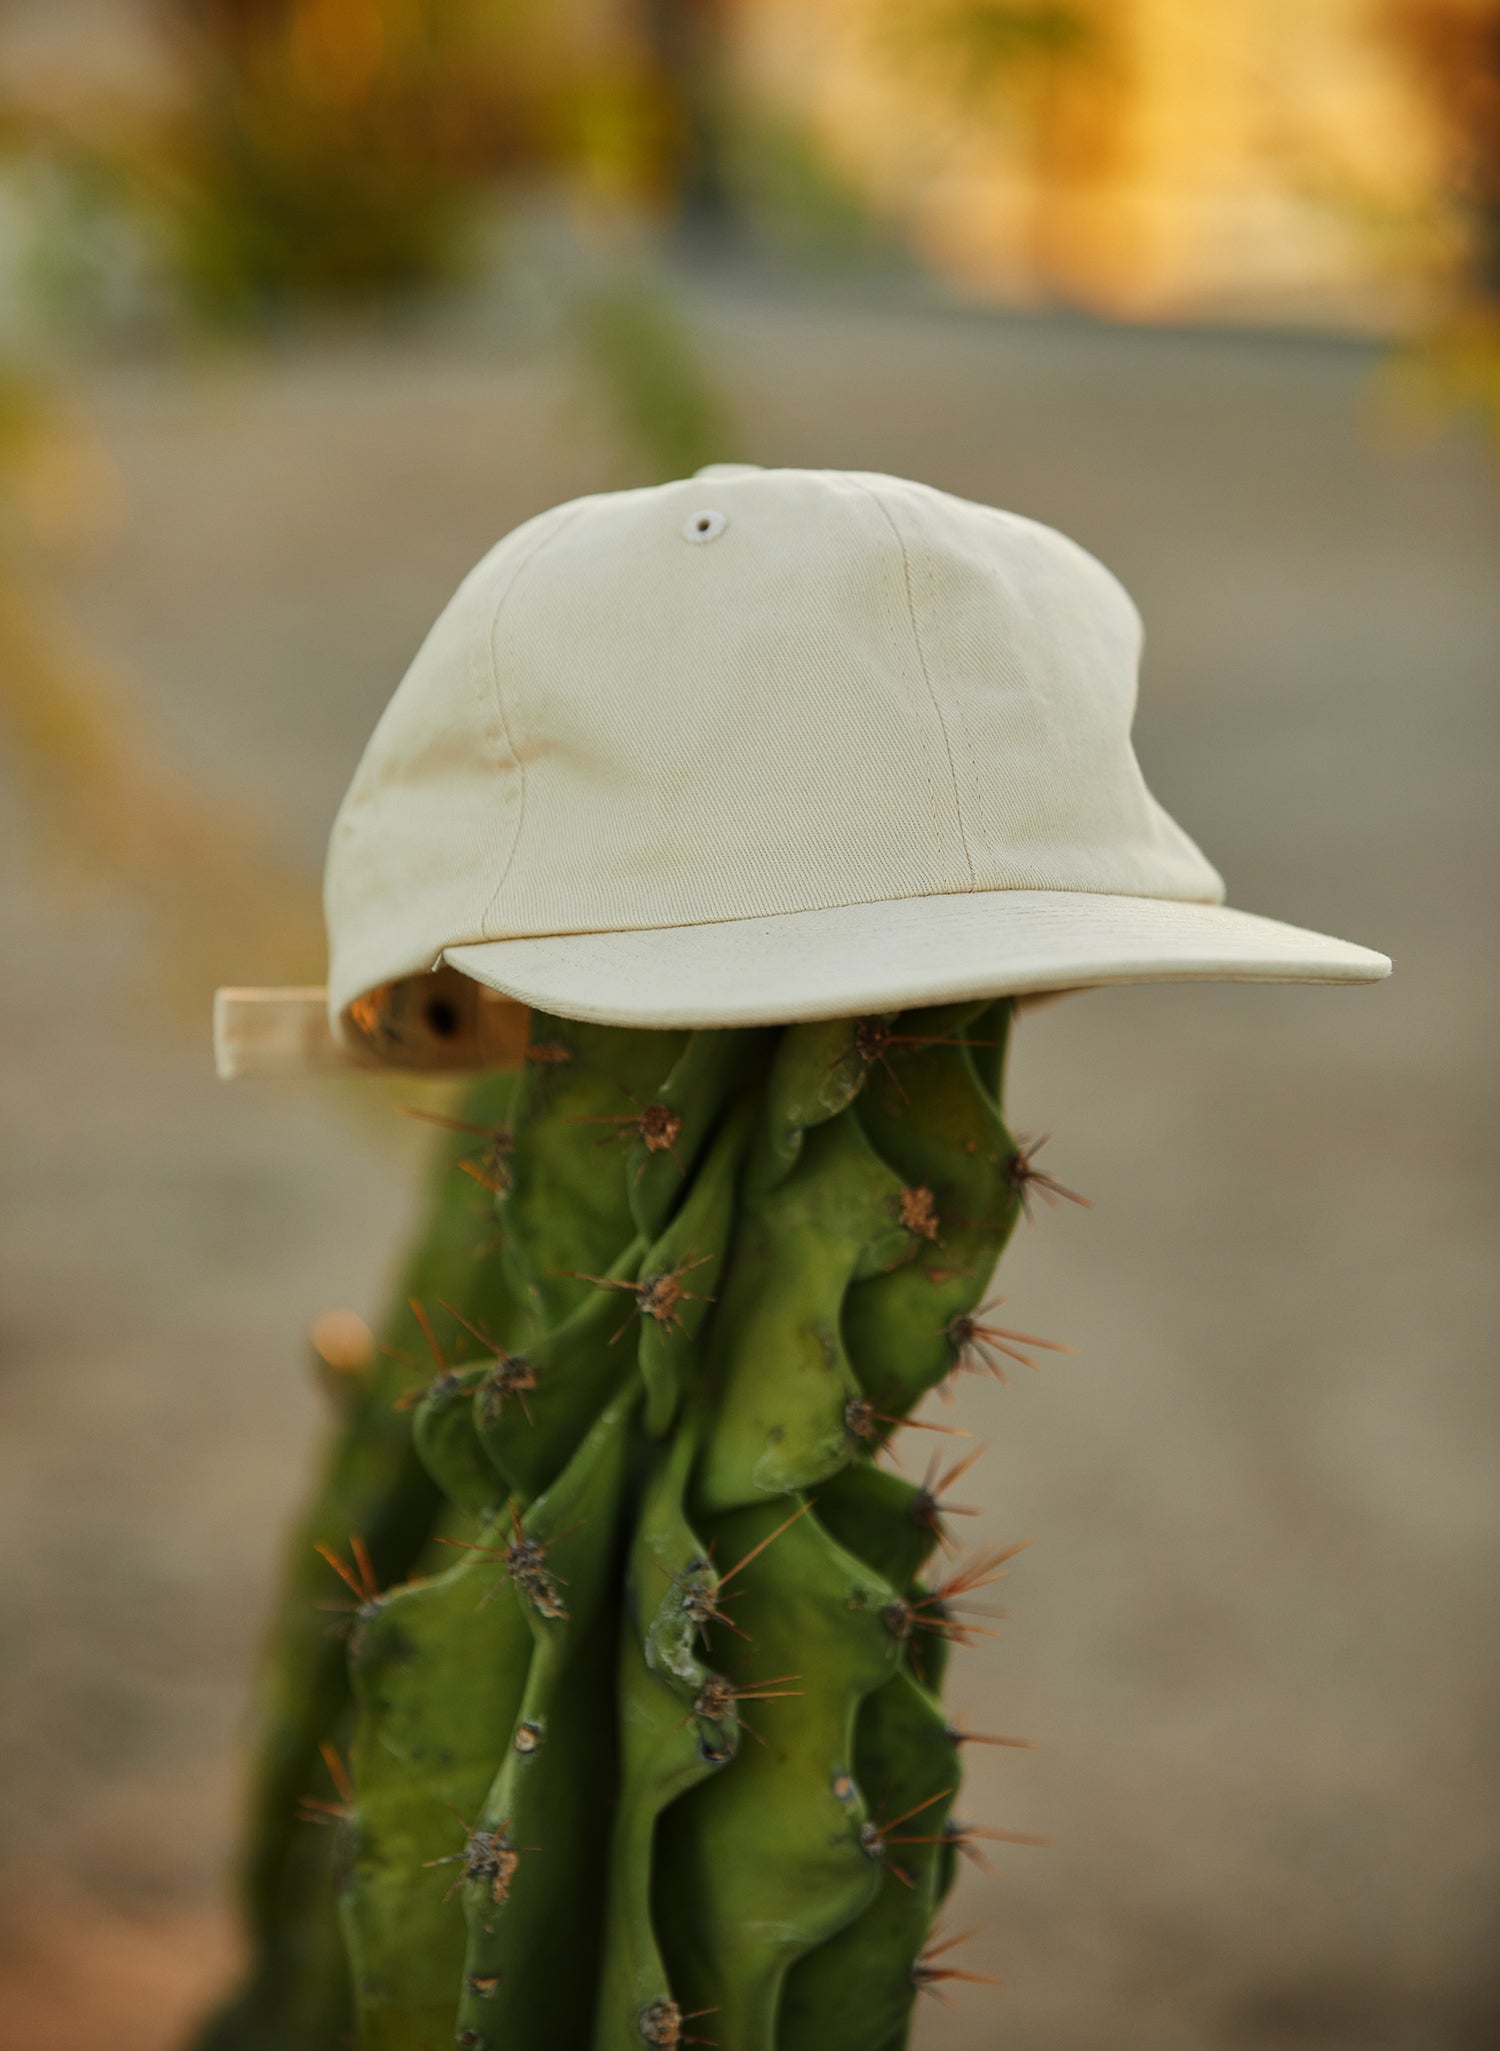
898,953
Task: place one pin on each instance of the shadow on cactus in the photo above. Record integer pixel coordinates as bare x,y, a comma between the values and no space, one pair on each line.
633,1734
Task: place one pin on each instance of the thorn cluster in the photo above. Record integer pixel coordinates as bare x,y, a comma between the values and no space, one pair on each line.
700,1588
940,1609
719,1699
661,2024
875,1039
976,1345
656,1125
317,1808
525,1561
489,1857
449,1379
861,1419
929,1506
492,1169
510,1374
876,1838
966,1838
659,1296
359,1577
928,1976
1025,1178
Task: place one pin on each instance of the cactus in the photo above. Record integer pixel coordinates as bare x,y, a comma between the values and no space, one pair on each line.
648,1749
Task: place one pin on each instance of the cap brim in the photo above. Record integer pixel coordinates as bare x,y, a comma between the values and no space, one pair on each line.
898,953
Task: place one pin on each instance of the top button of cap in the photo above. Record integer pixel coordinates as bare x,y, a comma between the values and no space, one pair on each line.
704,525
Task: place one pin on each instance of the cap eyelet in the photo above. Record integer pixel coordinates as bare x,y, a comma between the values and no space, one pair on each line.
706,525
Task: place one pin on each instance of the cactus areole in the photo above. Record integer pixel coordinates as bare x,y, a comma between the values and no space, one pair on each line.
632,1729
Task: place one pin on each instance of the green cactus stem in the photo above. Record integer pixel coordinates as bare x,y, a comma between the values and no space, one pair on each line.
648,1748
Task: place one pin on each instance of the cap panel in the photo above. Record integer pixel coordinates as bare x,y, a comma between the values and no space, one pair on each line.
1034,648
431,816
723,720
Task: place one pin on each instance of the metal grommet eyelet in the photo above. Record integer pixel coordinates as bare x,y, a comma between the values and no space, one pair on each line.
707,525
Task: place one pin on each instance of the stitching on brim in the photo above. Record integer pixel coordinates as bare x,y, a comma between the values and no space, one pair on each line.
855,904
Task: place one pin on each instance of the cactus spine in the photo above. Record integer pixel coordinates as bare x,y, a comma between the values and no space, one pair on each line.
653,1731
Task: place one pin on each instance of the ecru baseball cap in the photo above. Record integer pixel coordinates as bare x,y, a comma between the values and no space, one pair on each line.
754,747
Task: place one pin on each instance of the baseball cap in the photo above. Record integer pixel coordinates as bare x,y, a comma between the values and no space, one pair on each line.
753,747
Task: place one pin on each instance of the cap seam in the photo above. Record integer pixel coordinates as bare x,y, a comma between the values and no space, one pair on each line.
931,688
569,512
976,787
924,754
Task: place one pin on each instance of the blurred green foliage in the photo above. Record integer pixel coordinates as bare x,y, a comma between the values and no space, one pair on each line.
669,415
796,201
982,43
329,152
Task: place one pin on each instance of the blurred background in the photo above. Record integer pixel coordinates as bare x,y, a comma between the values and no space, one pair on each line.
302,304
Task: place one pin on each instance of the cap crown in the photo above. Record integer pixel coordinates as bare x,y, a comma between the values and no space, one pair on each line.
746,693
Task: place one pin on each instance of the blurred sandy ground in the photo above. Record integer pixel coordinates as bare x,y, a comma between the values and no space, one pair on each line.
1257,1634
